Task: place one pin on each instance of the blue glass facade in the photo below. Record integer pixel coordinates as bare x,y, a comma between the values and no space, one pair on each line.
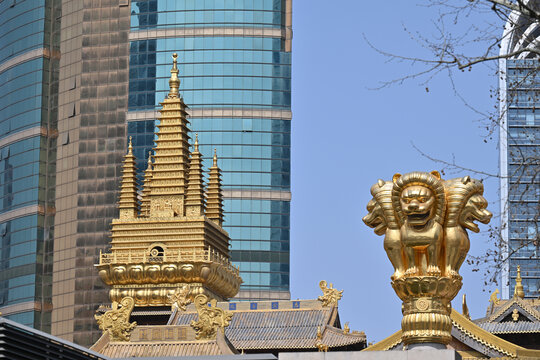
224,67
523,189
28,112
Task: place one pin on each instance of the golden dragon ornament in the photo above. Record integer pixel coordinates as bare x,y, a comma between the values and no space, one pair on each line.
116,321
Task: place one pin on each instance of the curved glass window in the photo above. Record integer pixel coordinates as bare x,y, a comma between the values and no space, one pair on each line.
191,13
21,27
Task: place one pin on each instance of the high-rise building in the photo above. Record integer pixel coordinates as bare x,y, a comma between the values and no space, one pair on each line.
78,77
519,154
29,60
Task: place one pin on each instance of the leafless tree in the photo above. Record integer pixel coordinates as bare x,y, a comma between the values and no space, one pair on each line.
509,30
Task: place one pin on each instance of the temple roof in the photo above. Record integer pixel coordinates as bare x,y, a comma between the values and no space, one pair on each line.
513,316
160,341
274,325
467,335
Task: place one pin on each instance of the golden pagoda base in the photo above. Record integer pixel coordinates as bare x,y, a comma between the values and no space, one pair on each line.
161,294
426,307
150,284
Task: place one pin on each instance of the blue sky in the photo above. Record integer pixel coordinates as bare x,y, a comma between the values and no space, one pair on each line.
346,136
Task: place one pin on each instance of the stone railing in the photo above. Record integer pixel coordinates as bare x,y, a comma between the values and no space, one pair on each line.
141,256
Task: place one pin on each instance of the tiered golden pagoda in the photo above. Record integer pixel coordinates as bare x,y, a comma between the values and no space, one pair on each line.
171,242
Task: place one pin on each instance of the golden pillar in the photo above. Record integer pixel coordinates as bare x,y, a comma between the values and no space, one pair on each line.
424,220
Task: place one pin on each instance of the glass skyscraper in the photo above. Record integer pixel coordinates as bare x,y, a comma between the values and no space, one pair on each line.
29,49
78,77
519,154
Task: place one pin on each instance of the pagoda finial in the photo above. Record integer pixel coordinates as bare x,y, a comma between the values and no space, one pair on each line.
145,202
214,203
128,204
518,290
174,82
195,199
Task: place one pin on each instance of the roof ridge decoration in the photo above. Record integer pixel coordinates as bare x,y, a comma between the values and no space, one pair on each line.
173,242
115,322
425,219
211,318
330,296
319,344
518,289
493,301
465,308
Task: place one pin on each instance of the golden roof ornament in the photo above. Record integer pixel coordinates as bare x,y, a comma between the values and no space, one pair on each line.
494,300
515,315
116,321
330,296
174,81
168,246
211,318
180,299
465,308
319,344
424,220
518,289
346,328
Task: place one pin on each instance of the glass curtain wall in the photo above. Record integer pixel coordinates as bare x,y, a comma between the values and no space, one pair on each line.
29,37
523,147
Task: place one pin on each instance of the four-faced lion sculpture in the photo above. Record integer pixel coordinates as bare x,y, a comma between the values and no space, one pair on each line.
425,220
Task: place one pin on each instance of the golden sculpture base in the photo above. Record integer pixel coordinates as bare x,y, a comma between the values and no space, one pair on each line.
426,307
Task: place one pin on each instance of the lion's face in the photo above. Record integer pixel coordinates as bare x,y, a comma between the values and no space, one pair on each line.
475,209
375,217
417,203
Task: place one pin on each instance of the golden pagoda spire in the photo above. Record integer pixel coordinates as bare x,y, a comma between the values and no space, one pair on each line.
174,81
518,289
214,203
195,200
128,192
171,163
145,203
171,234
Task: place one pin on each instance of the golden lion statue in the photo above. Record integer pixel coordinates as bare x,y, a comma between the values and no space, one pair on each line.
425,219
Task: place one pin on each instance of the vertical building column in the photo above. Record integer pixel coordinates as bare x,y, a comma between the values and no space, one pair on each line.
93,104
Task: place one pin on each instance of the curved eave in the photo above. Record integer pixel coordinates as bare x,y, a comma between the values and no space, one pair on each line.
386,344
471,329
